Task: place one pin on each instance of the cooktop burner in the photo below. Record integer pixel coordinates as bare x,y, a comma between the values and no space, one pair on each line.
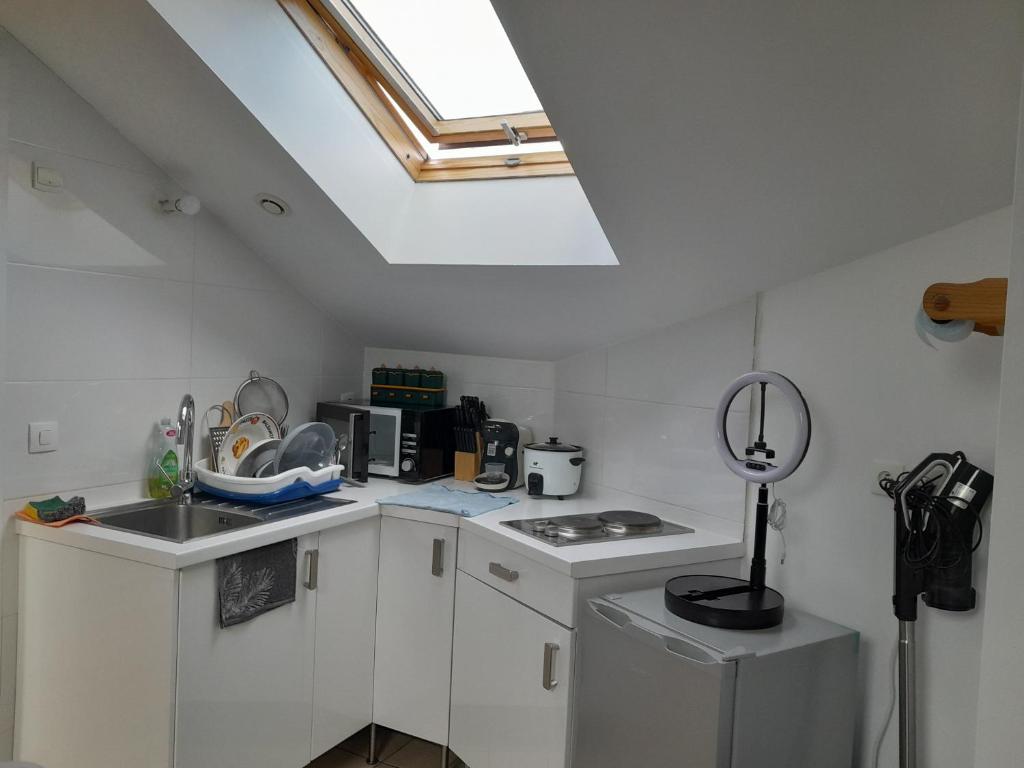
629,521
611,525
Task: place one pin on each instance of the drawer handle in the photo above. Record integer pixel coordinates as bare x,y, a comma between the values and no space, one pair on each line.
499,570
437,563
312,568
549,666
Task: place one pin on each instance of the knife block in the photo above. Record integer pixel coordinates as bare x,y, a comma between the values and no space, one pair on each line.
467,465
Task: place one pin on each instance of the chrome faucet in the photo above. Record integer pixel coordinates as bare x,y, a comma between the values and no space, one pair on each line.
186,429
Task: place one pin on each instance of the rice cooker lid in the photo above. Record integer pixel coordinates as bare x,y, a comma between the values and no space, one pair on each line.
554,446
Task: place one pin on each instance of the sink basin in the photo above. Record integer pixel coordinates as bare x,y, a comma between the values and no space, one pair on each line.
176,521
203,516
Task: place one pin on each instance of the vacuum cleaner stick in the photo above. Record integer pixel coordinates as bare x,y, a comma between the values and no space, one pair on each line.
937,509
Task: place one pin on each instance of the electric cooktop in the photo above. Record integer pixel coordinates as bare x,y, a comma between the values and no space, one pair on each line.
612,525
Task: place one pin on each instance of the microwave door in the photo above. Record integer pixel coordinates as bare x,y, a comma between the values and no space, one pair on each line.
385,439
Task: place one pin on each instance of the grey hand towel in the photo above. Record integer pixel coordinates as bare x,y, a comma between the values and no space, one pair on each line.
254,582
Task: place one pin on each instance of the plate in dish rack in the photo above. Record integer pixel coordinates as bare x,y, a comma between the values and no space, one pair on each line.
247,432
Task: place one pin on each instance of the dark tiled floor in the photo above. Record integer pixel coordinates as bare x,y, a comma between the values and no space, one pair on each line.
394,750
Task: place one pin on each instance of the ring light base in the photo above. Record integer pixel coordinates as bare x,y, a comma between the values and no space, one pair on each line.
724,602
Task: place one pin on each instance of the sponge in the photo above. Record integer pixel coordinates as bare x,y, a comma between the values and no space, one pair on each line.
55,509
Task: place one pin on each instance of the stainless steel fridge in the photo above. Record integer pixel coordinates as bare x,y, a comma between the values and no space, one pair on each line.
655,691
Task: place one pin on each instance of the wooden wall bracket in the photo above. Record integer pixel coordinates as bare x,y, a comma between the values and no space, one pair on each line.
983,301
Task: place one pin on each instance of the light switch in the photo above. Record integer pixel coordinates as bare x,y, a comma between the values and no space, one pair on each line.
46,179
42,436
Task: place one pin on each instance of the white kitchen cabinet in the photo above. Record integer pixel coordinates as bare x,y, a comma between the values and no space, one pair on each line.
416,602
156,682
244,692
511,680
96,645
346,606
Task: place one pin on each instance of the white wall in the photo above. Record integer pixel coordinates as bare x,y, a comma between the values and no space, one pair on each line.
644,411
115,310
518,390
875,392
1000,703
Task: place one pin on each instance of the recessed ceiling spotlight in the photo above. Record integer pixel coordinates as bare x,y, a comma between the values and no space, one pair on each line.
273,205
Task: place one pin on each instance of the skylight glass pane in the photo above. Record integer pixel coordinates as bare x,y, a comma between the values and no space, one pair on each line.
456,52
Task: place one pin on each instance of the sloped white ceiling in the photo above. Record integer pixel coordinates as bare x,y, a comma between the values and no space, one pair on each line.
725,147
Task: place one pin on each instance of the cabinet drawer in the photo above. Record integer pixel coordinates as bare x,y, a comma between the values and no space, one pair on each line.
519,577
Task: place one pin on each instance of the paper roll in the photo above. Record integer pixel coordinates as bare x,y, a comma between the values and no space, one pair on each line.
954,330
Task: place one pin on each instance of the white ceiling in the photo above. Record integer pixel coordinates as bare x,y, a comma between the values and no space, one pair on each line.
725,148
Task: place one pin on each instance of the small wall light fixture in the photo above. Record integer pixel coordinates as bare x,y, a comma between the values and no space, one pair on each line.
186,204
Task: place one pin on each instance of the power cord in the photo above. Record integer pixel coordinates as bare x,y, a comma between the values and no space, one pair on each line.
892,705
931,521
777,520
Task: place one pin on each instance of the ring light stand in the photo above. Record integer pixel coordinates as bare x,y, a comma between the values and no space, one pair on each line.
723,601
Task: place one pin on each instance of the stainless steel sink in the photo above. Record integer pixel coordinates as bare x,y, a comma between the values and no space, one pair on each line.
175,521
203,516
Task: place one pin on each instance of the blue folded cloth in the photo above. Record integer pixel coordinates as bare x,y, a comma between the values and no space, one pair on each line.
443,499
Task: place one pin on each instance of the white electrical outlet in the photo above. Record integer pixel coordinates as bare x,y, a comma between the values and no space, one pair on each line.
880,469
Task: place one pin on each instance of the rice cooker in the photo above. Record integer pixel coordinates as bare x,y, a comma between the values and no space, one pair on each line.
553,468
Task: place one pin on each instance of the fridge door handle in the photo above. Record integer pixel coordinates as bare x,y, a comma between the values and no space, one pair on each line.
688,651
671,644
613,616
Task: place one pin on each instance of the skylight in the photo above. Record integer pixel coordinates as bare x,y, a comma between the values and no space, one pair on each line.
454,52
440,83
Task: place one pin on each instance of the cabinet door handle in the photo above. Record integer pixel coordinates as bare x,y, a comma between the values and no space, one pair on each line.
549,666
437,563
312,568
499,570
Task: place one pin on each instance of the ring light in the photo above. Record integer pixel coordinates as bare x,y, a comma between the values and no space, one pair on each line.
724,601
801,440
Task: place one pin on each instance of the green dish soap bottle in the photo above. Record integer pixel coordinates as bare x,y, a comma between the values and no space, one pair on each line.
164,456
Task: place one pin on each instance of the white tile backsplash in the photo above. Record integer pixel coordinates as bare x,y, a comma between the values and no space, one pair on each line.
222,259
237,330
115,309
585,373
343,354
668,453
48,113
686,364
341,387
70,325
105,219
581,420
643,410
104,431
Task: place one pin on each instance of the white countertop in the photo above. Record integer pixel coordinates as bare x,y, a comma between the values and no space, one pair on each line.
578,561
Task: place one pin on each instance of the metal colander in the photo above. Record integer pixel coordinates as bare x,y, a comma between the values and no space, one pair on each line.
259,394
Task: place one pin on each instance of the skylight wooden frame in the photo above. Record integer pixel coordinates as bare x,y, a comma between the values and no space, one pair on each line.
370,86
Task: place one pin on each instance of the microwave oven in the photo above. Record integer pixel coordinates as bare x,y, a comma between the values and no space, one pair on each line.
351,426
413,444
